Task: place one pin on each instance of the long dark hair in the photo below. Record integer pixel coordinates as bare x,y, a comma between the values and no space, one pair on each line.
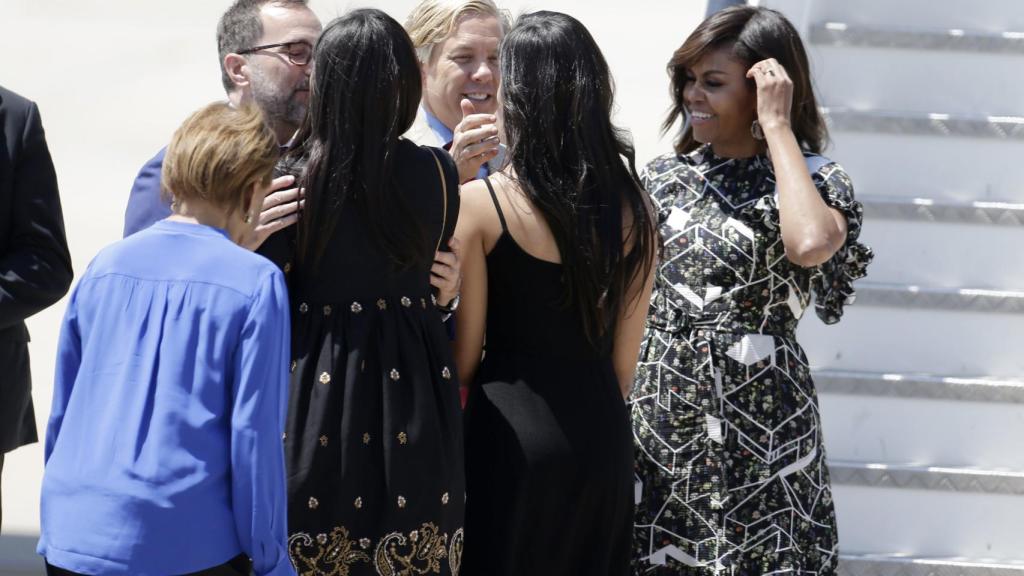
753,34
573,164
364,95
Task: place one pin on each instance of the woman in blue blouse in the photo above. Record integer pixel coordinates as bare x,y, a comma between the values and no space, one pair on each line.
163,452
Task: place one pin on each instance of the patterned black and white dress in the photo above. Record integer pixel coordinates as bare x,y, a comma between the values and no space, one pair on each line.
730,464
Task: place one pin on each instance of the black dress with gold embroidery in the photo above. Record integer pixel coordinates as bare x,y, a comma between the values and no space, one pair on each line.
374,435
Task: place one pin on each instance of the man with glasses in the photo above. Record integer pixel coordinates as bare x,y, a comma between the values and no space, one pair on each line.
265,49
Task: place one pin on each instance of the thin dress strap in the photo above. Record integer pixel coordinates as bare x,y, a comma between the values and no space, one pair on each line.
494,197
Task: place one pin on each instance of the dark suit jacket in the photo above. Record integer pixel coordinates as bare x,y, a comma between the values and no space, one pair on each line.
35,266
145,205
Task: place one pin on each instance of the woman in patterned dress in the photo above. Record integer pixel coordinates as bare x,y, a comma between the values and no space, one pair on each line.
731,471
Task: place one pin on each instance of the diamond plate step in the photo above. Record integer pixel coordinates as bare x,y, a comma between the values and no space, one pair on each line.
942,210
988,15
957,299
963,169
950,479
922,123
924,386
901,565
846,34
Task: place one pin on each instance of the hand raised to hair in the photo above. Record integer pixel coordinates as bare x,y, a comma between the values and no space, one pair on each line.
774,94
475,141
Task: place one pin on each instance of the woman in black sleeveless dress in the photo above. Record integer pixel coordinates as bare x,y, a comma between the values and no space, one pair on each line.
374,435
557,258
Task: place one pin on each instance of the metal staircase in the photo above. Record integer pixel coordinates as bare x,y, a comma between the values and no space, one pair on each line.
922,383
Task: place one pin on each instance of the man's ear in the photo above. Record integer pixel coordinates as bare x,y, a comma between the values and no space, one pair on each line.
237,69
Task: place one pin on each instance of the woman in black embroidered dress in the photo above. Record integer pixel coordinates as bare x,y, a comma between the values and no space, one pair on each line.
730,463
374,435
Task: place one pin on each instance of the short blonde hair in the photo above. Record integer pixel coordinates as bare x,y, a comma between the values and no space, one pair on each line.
432,21
217,155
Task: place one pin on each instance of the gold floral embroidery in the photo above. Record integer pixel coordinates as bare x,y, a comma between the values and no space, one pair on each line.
398,555
455,552
333,556
338,553
403,438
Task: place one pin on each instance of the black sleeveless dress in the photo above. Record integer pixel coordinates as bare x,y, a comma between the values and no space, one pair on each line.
374,435
549,451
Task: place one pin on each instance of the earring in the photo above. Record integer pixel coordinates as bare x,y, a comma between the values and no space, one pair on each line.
248,217
756,131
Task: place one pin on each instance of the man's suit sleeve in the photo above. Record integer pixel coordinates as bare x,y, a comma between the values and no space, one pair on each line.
35,270
145,205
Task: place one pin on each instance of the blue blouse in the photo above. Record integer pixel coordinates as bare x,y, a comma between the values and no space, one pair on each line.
163,452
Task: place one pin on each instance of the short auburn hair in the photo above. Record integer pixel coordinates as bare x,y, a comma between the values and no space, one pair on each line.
218,154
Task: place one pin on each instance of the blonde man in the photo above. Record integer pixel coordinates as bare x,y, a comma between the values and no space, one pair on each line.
457,44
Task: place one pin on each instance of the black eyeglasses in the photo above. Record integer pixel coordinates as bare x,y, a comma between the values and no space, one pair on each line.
298,52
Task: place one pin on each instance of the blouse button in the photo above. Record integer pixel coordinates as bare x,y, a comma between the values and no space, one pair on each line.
313,503
287,267
323,440
303,308
327,310
356,308
325,378
401,501
444,498
358,503
394,374
403,438
406,302
446,373
366,438
382,304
